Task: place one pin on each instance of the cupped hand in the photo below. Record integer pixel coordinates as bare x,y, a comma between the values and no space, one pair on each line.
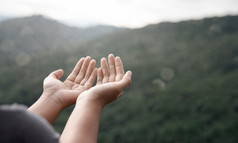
111,81
81,79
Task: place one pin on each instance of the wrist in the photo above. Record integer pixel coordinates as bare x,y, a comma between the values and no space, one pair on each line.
46,107
51,100
89,100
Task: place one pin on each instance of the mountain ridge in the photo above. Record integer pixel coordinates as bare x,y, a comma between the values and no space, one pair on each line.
36,33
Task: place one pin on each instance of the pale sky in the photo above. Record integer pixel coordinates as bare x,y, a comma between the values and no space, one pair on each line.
126,13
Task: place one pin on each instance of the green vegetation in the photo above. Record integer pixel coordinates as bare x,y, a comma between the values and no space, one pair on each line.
184,79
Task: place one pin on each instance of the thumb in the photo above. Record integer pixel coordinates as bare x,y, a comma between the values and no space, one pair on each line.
57,74
126,81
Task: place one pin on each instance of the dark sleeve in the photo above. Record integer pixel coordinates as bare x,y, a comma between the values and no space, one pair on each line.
20,126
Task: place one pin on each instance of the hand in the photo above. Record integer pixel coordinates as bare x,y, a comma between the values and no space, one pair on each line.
83,123
58,95
111,81
81,79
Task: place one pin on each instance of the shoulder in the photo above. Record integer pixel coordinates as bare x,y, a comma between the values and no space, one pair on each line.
11,113
12,108
17,122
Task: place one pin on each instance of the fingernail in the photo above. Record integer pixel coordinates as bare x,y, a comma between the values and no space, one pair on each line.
130,73
111,55
117,57
103,59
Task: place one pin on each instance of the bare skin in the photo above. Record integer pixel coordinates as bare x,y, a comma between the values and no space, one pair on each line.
83,123
58,95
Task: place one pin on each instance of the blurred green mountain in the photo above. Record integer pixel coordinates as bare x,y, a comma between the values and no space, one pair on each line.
37,34
2,17
184,81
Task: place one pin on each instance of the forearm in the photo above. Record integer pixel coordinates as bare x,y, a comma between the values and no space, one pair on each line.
46,108
83,123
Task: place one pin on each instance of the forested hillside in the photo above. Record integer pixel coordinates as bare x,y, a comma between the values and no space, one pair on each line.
39,34
184,81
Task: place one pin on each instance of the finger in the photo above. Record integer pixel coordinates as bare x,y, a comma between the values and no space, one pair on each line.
57,74
76,70
105,70
126,80
99,76
119,69
89,71
112,67
91,79
83,70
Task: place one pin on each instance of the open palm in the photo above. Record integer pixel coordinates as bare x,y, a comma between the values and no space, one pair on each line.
80,79
111,81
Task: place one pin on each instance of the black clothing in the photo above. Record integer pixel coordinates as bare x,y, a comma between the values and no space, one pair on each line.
17,125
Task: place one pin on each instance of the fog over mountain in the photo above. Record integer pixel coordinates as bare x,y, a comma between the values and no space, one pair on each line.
38,33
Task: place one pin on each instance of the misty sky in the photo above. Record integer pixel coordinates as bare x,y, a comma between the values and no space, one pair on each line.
127,13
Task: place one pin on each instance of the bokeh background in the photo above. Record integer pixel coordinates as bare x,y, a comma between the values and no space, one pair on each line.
183,55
